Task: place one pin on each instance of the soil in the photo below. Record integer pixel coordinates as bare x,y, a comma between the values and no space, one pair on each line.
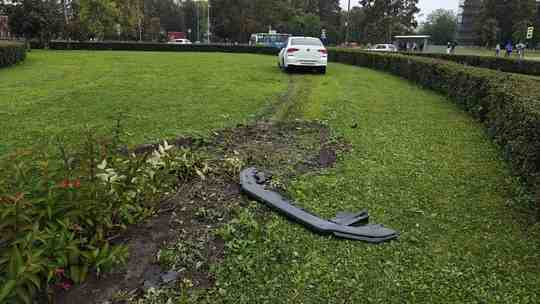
198,208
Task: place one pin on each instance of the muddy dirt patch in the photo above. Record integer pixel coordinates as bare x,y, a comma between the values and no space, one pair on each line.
178,246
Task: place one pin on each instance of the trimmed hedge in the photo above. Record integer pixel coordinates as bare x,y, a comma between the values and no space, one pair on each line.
11,53
161,47
507,104
509,65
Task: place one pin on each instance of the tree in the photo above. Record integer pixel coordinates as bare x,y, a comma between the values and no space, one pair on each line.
524,14
504,21
441,25
237,19
41,19
130,15
171,14
357,19
99,17
306,25
387,18
489,32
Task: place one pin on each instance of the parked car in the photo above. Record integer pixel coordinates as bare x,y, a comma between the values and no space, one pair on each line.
383,48
180,41
306,52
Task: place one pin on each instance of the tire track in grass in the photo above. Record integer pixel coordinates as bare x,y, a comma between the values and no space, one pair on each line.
289,106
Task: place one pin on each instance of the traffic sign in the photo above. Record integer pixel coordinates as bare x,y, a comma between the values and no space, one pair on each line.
530,31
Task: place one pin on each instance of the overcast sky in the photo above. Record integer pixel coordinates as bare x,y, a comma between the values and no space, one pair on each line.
426,6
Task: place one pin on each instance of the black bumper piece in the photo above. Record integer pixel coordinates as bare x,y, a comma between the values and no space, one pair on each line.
252,182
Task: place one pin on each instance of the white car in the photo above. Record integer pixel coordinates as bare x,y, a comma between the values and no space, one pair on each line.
180,41
303,52
383,48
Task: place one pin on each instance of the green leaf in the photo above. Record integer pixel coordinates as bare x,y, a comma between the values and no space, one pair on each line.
75,273
7,290
84,273
15,262
23,294
32,278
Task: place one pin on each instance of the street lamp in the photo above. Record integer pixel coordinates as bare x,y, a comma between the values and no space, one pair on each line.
347,22
208,33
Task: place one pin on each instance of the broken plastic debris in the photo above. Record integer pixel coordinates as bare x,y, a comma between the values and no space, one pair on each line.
253,183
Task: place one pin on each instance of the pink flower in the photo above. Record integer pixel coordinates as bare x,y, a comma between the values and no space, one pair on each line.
65,285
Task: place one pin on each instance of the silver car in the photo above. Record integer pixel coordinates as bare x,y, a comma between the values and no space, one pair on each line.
383,48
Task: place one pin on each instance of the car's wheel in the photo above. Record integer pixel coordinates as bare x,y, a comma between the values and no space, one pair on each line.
286,68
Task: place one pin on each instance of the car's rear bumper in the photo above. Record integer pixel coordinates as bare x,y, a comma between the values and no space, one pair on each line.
305,62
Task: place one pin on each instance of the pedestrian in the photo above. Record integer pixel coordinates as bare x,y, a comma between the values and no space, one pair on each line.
521,50
497,50
448,47
453,47
509,49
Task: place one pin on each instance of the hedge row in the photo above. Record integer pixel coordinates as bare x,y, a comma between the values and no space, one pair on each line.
508,104
11,53
509,65
161,47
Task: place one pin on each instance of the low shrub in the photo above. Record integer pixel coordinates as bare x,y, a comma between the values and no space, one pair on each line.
59,210
509,65
507,104
11,53
161,47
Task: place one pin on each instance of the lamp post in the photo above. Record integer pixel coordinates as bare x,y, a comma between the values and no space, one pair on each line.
208,32
347,22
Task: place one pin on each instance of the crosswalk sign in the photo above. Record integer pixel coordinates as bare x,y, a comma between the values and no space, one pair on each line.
530,31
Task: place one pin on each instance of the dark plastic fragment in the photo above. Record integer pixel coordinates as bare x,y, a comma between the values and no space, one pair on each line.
351,219
252,183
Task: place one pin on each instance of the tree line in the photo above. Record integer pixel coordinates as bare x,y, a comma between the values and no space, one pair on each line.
502,21
374,21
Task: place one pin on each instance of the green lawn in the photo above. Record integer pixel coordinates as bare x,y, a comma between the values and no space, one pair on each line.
419,163
158,95
421,166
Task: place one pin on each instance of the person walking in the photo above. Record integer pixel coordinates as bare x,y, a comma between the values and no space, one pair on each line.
509,49
448,47
521,50
498,50
453,47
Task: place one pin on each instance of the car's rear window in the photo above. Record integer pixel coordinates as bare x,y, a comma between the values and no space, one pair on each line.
306,41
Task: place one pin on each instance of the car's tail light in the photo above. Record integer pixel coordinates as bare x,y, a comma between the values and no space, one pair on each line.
292,50
323,51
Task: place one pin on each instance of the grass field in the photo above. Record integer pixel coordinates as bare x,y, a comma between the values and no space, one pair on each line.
420,164
156,95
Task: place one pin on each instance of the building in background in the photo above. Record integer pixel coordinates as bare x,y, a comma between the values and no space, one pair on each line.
468,11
